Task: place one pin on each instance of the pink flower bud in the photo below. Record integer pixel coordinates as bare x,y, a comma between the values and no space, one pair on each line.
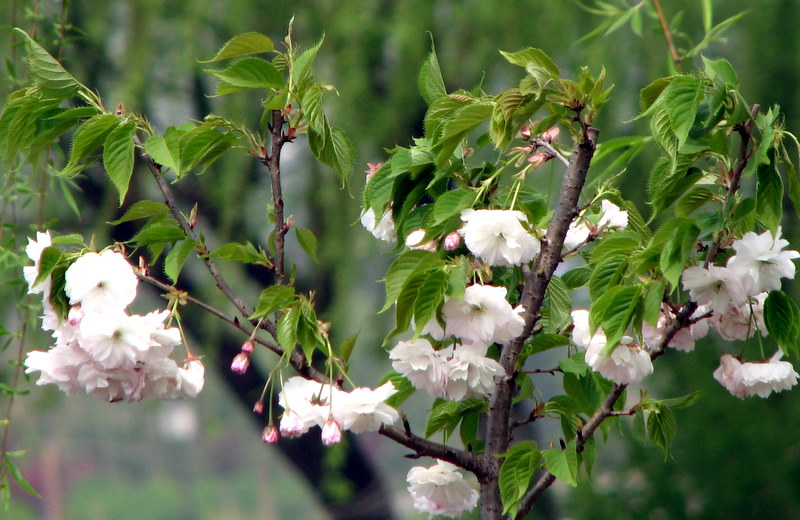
258,407
75,316
248,346
372,169
270,434
551,135
331,433
240,363
525,132
539,159
452,241
292,425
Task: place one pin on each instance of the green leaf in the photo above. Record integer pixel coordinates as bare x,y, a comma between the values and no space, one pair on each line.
302,65
273,298
654,295
578,277
681,100
243,45
173,263
678,250
308,242
445,415
613,312
563,464
769,195
19,479
559,302
402,268
158,232
520,465
538,64
692,200
346,348
782,318
430,82
245,253
542,342
661,428
458,126
46,72
312,107
166,150
89,136
450,204
250,73
48,260
287,329
429,297
201,146
142,209
118,157
403,386
607,274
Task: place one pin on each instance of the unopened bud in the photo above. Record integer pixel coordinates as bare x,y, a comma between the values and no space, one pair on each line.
551,135
466,153
290,221
539,159
414,240
452,241
270,434
247,346
331,433
258,407
525,132
240,363
372,169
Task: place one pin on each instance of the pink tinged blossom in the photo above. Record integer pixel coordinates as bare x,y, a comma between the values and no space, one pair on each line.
628,363
415,240
452,241
441,490
539,158
761,379
372,169
191,379
383,229
717,287
740,322
364,409
577,235
477,370
761,257
31,272
331,433
683,339
611,217
292,425
307,403
240,363
551,135
258,408
101,282
483,316
729,376
498,237
114,339
418,362
270,434
248,346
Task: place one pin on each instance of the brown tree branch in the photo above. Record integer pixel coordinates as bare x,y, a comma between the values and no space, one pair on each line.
273,163
499,423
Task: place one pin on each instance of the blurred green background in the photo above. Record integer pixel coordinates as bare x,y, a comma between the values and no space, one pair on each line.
203,459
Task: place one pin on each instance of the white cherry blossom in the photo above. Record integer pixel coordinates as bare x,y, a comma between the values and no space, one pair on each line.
483,315
762,258
101,282
498,236
441,490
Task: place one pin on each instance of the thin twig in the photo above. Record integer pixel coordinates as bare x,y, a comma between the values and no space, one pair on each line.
667,35
555,153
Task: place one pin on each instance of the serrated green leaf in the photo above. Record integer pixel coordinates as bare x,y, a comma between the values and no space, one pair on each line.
445,415
769,195
563,464
311,104
245,253
243,45
346,348
118,157
72,238
158,232
678,250
542,342
692,200
302,65
429,297
173,263
166,150
200,147
607,274
450,204
250,73
460,123
613,311
559,302
48,260
520,465
142,209
429,81
661,429
271,299
573,365
782,318
653,296
681,100
46,72
403,386
578,277
308,242
401,269
287,329
89,137
533,60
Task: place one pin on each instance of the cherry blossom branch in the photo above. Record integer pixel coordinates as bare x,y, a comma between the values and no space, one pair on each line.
297,360
200,247
272,161
425,448
537,280
745,132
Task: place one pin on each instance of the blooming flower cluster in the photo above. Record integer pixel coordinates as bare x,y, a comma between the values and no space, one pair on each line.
498,236
99,347
458,371
761,379
627,363
581,230
441,490
308,403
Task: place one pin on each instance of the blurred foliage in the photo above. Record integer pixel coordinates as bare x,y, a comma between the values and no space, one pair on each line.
731,459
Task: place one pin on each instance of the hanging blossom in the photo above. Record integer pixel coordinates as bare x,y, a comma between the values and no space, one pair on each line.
498,236
742,321
761,258
582,231
99,348
310,403
627,363
453,373
441,490
483,315
761,379
683,339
